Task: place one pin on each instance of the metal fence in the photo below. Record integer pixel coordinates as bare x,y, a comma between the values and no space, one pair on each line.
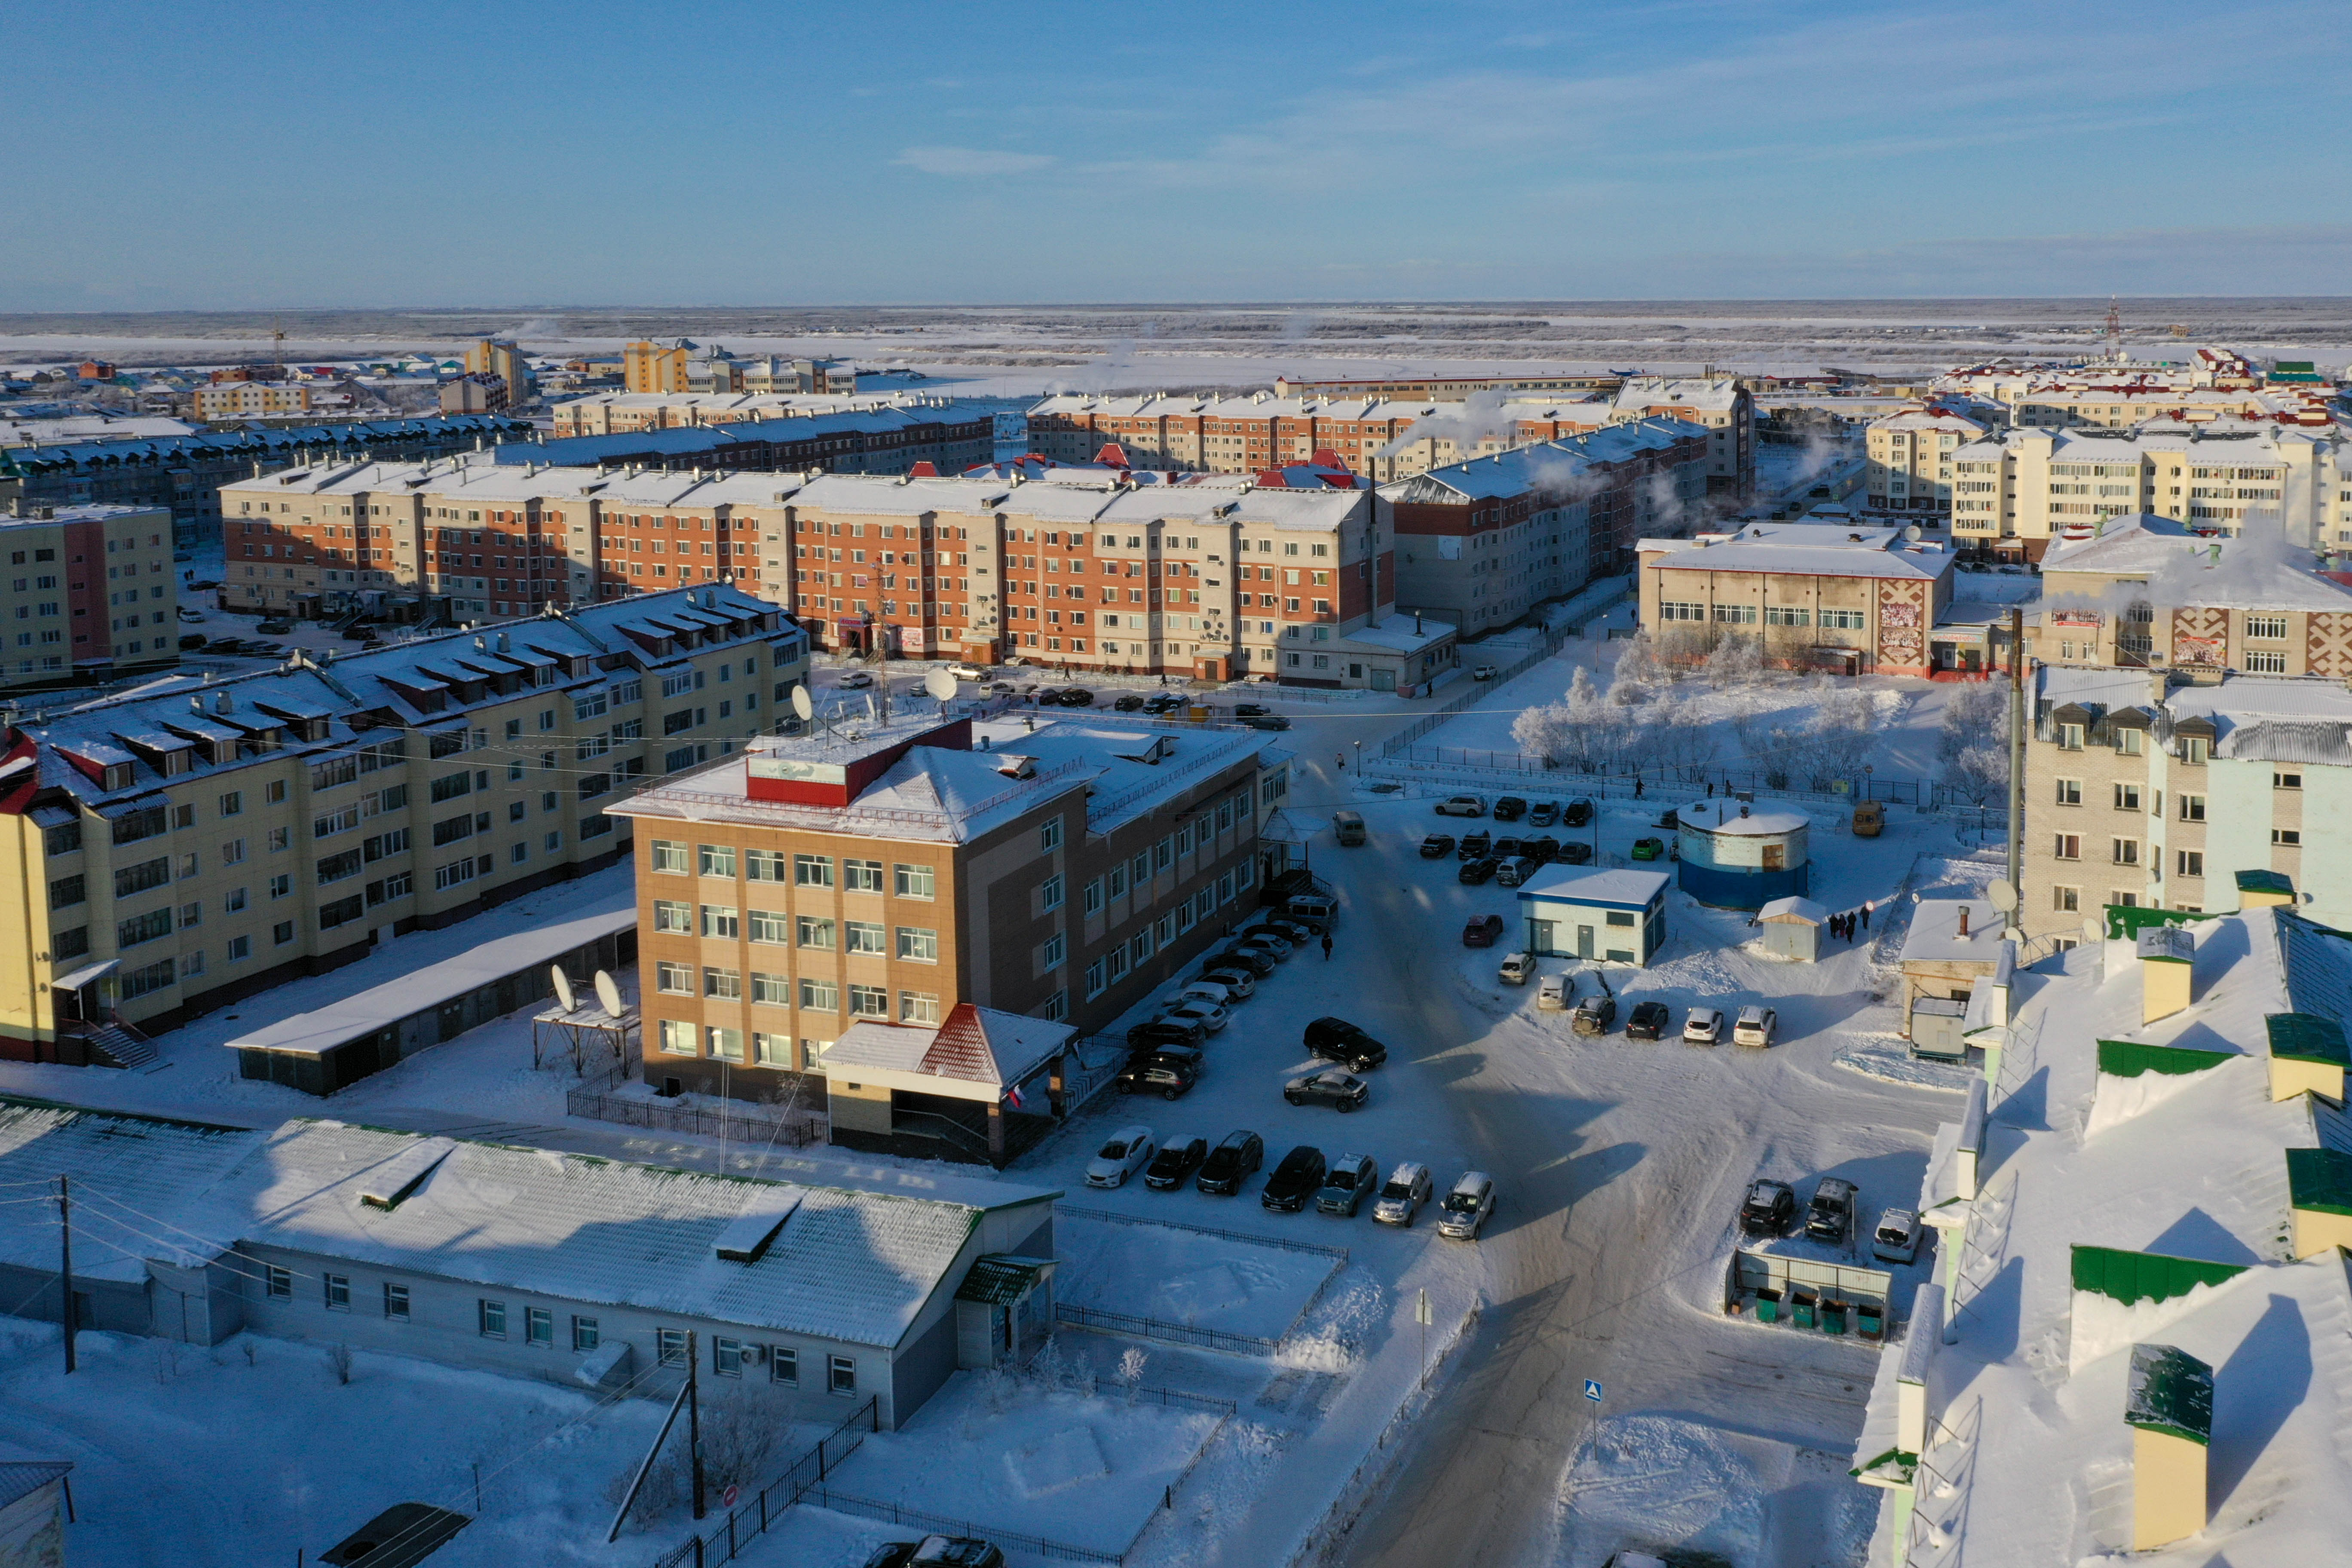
1164,1331
793,1132
749,1520
1552,639
940,1524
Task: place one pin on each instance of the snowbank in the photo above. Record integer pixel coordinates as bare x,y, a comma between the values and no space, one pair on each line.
1187,1277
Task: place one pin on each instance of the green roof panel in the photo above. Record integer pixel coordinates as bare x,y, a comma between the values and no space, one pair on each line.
2319,1180
1000,1279
2134,1277
2130,1058
2261,881
2125,922
2307,1037
2169,1391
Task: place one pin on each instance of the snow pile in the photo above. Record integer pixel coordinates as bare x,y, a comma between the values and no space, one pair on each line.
2099,1325
1187,1277
2120,1100
1332,1340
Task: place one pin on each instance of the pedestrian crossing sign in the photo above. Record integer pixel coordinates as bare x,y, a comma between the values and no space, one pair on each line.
1593,1389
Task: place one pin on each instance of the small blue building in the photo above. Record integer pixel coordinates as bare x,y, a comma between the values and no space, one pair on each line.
1617,916
1736,855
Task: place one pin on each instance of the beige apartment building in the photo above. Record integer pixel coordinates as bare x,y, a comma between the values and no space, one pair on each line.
1723,406
1909,458
2150,591
1852,601
2017,491
195,841
88,595
680,365
2151,795
886,872
626,412
249,400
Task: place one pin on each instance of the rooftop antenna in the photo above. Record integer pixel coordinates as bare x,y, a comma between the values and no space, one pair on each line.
2114,331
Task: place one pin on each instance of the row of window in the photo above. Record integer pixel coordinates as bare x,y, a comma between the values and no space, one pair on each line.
2127,851
918,944
492,1321
673,857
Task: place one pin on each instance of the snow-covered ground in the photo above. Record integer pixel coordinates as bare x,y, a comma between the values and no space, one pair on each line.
1187,1277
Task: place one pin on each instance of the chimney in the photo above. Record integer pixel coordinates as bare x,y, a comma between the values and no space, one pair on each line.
2168,966
1964,910
2264,890
2308,1056
2168,1406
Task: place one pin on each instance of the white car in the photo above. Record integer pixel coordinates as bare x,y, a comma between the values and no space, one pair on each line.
1517,968
1896,1239
1216,993
1267,943
855,680
1127,1150
1211,1017
1467,1204
1485,672
1236,978
1756,1027
1703,1027
1409,1187
1556,994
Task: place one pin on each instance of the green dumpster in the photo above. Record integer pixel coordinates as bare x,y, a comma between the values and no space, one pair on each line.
1801,1310
1833,1317
1869,1320
1768,1306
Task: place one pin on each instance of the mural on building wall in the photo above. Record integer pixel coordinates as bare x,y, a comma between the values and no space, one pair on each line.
2201,638
2328,645
1902,624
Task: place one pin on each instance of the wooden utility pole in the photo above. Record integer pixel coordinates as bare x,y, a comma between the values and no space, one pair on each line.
65,1262
694,1417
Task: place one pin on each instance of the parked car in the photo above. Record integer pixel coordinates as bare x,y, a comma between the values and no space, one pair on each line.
1346,1182
1475,846
1508,848
1250,710
1330,1087
1165,1031
999,689
1272,944
1437,846
1045,695
1407,1189
1294,1181
968,671
1126,704
1485,672
1254,959
1869,818
1596,1015
1338,1040
1542,850
1462,805
1576,852
1347,826
1239,983
187,614
1769,1208
1316,909
275,629
1211,1017
1557,994
1216,993
1162,702
1159,1073
1543,814
1267,722
936,1551
1648,1021
1515,872
1481,930
1648,849
1756,1027
1222,1173
1830,1215
1579,814
1671,819
1076,697
855,680
191,642
1896,1239
1703,1027
1174,1164
1297,933
1517,968
1477,873
1126,1151
1467,1204
1510,808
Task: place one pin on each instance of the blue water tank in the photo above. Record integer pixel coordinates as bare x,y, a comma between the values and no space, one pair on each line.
1739,856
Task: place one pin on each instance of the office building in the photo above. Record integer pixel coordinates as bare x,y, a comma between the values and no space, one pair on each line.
1845,600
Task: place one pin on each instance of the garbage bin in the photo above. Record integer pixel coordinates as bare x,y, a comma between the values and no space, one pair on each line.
1832,1317
1869,1320
1800,1308
1768,1306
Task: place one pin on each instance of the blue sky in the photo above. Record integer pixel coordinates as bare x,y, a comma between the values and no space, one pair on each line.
267,155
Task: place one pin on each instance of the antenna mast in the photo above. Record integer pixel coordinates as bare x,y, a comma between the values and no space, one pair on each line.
2114,331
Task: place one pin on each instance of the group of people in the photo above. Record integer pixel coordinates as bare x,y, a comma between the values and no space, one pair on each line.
1843,926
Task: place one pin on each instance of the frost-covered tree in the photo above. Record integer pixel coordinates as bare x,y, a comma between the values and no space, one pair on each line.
1640,665
1837,742
1737,661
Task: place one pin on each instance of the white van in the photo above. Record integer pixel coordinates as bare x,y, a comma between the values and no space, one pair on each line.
1313,907
1556,994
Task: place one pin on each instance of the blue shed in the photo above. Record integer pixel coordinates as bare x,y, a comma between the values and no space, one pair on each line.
1617,916
1736,855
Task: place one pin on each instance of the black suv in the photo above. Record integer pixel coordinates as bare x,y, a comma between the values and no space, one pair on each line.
1229,1161
1510,808
1577,814
1436,846
1478,873
1164,1032
1474,845
1767,1209
1648,1021
1167,1077
1294,1181
1508,848
1338,1040
1177,1159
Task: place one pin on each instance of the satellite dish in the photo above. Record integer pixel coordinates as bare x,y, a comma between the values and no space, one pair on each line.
2093,929
563,989
940,684
2004,897
802,703
608,994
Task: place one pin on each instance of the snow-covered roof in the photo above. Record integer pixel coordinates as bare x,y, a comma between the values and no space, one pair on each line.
979,1048
1740,819
123,1168
1620,887
1719,396
1805,549
1935,936
2138,1190
2184,568
1793,908
1565,467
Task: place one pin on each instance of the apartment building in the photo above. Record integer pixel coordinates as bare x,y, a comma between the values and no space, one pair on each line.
2016,490
892,439
618,413
1723,405
680,365
1854,600
249,400
2150,591
1909,458
1450,389
88,595
195,841
888,871
503,359
1482,543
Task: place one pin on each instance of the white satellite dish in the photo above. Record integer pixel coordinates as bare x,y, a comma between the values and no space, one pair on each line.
802,704
2004,897
563,989
940,684
2093,929
608,994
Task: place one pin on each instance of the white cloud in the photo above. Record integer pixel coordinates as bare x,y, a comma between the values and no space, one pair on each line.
965,162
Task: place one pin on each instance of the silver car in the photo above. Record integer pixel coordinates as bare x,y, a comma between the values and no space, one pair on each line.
1467,1204
1408,1188
1126,1151
1896,1239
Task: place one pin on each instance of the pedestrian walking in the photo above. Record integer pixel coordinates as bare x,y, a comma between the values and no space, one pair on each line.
1866,916
1710,789
1637,786
1340,761
1326,947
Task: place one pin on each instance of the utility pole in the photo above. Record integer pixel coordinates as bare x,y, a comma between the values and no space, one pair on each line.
65,1262
694,1416
2017,766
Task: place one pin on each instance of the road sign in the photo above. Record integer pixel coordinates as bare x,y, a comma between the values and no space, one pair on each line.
1593,1389
1420,1312
727,1497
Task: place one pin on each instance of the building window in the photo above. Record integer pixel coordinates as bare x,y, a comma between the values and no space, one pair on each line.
820,995
2122,899
919,1007
2126,852
2127,797
861,876
785,1365
2070,791
726,1045
869,1001
2192,863
2269,628
1049,894
841,1374
539,1327
718,920
584,1334
677,979
815,934
2070,737
918,944
865,936
2192,808
673,917
772,990
726,1357
670,1346
278,1282
1055,950
2288,838
490,1318
717,860
338,1292
2266,662
2195,749
2066,900
764,865
2068,847
813,870
676,1038
668,855
914,881
395,1302
1049,836
727,984
2285,781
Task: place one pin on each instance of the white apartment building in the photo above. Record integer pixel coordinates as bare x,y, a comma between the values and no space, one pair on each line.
1909,459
